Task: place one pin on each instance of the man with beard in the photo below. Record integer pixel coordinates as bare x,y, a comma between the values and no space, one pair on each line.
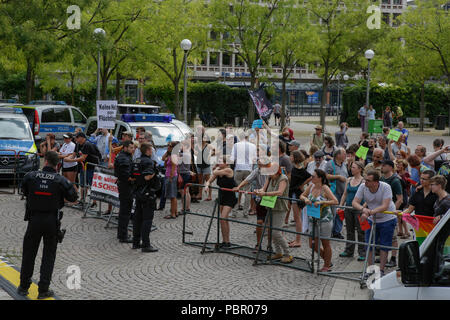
376,164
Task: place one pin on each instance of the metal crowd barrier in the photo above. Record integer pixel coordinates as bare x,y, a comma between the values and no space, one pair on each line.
14,165
264,256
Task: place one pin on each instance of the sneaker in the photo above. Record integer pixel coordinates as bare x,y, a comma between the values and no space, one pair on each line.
361,258
338,236
225,245
149,249
46,294
287,259
345,254
392,263
276,256
240,208
22,291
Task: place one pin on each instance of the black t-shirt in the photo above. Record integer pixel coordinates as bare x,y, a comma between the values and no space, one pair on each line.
89,149
298,177
441,207
423,205
286,141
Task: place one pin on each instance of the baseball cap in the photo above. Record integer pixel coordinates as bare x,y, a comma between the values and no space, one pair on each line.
388,162
294,143
80,134
319,154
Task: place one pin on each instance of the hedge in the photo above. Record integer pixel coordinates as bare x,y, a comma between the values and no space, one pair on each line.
437,100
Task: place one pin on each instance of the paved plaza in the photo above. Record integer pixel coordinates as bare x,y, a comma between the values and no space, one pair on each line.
112,270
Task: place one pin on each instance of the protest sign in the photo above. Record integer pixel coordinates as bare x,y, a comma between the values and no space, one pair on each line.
104,187
106,114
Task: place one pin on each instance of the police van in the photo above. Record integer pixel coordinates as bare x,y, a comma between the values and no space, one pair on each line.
54,117
162,127
18,152
424,272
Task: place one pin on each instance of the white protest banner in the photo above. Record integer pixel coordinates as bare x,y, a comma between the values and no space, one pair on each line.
106,114
104,187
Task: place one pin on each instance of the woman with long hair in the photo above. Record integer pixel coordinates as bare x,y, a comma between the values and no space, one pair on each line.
227,199
299,178
328,147
319,193
351,216
171,164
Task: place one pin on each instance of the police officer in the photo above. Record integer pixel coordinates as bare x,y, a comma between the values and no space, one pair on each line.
147,183
45,191
122,170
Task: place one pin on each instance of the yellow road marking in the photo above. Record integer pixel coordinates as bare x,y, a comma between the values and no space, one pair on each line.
13,276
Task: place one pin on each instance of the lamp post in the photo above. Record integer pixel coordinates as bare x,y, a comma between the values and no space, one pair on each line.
369,54
186,45
99,33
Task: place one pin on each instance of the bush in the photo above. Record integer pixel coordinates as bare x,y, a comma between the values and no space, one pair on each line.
407,97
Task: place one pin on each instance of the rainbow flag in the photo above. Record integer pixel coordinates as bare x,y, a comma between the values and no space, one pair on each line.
425,227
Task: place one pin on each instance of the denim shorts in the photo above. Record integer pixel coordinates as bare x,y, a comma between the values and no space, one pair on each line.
383,233
204,171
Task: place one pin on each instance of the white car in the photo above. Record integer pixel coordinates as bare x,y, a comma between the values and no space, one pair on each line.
424,272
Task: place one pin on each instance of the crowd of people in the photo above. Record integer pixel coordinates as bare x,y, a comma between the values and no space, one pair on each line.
328,174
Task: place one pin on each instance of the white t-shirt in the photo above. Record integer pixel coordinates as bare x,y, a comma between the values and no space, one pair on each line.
68,148
375,200
312,166
244,153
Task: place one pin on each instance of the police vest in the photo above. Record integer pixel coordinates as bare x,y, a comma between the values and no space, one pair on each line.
44,193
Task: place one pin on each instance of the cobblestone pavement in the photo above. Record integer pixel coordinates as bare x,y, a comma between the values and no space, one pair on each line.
111,270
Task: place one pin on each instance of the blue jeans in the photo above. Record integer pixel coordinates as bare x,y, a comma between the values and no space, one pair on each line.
337,224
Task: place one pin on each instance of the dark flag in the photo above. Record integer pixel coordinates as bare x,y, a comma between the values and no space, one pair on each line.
262,104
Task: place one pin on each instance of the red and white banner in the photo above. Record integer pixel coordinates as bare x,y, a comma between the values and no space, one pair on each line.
104,187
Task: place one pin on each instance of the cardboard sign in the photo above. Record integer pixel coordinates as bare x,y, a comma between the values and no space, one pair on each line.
106,114
312,211
394,135
268,201
362,152
104,187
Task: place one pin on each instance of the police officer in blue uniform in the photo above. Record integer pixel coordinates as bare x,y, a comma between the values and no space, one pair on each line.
45,192
146,185
122,170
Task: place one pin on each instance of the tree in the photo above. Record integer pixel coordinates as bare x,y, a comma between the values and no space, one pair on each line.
251,27
293,46
168,23
402,62
341,26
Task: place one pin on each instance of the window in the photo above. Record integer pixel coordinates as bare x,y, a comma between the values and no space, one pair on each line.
213,35
239,61
78,117
213,59
386,18
226,59
91,128
62,115
15,128
442,272
48,115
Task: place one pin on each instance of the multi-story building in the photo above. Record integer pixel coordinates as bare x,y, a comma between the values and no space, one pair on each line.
304,90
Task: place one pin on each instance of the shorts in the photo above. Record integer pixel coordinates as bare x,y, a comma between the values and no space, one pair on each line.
277,115
261,212
325,229
186,179
299,202
383,234
70,169
171,187
89,177
204,171
240,175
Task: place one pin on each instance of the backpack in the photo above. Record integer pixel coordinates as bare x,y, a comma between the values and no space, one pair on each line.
404,192
444,170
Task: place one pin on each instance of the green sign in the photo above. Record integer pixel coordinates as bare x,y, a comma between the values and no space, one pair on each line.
375,126
362,152
268,201
394,135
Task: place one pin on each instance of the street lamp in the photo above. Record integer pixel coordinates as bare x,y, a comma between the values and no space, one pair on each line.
99,33
186,45
369,54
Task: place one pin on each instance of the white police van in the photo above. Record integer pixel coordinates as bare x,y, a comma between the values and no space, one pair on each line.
53,117
18,152
160,126
424,272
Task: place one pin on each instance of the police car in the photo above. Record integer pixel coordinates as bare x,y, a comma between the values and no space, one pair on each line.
162,127
18,152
